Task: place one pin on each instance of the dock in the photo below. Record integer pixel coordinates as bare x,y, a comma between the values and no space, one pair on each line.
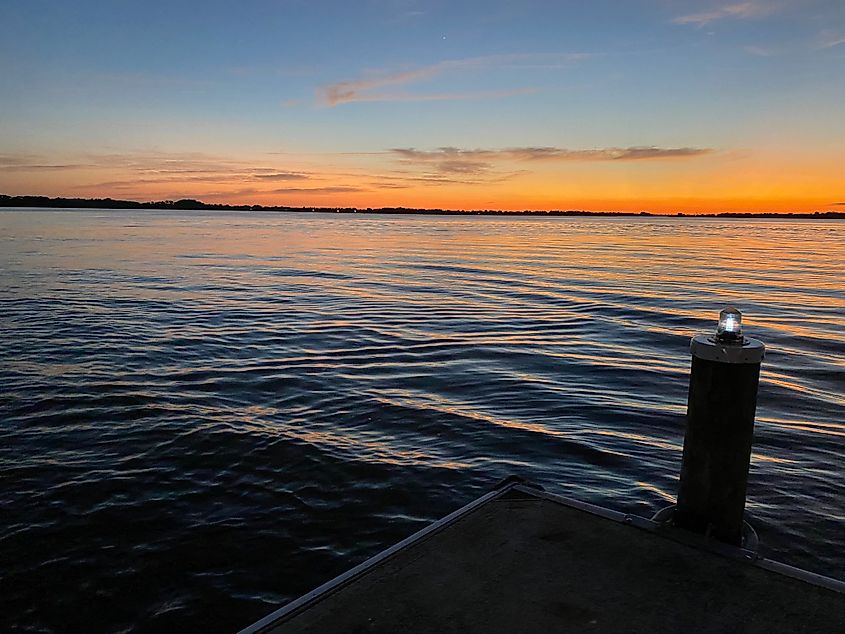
520,559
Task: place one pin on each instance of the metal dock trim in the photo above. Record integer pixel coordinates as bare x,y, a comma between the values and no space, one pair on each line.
726,550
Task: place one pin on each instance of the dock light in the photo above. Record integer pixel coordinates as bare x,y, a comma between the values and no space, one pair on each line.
722,401
730,325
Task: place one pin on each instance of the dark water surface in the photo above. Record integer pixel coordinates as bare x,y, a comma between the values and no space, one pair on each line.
203,415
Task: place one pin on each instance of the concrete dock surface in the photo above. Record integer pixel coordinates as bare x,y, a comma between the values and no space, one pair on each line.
521,560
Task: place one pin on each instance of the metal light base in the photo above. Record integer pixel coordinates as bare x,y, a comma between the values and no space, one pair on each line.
750,540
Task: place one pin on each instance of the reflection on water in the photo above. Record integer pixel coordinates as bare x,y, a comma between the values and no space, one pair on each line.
206,414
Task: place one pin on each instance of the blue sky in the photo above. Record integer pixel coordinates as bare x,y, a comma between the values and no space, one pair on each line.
308,85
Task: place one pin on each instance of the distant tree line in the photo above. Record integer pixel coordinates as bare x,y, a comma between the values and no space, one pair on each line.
191,204
111,203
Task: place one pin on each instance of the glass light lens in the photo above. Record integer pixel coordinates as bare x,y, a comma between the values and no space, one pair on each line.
730,324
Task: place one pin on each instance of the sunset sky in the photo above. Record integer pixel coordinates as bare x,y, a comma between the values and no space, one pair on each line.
661,105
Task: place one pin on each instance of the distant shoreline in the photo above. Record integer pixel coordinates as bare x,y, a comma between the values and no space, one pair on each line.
196,205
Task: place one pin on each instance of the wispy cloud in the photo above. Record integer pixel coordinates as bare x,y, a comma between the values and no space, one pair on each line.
414,175
404,15
340,189
829,39
135,183
463,166
149,171
31,163
737,10
367,88
346,91
281,176
446,96
153,163
450,157
451,165
39,167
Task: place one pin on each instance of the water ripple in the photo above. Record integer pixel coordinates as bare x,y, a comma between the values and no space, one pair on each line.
207,414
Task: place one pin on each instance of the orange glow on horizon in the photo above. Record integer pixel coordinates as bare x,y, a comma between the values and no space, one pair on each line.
719,182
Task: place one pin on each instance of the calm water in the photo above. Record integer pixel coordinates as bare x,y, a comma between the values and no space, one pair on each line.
203,415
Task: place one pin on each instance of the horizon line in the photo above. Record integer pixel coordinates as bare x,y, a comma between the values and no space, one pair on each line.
191,204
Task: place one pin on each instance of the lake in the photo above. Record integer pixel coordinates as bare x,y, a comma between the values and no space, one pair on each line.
206,414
